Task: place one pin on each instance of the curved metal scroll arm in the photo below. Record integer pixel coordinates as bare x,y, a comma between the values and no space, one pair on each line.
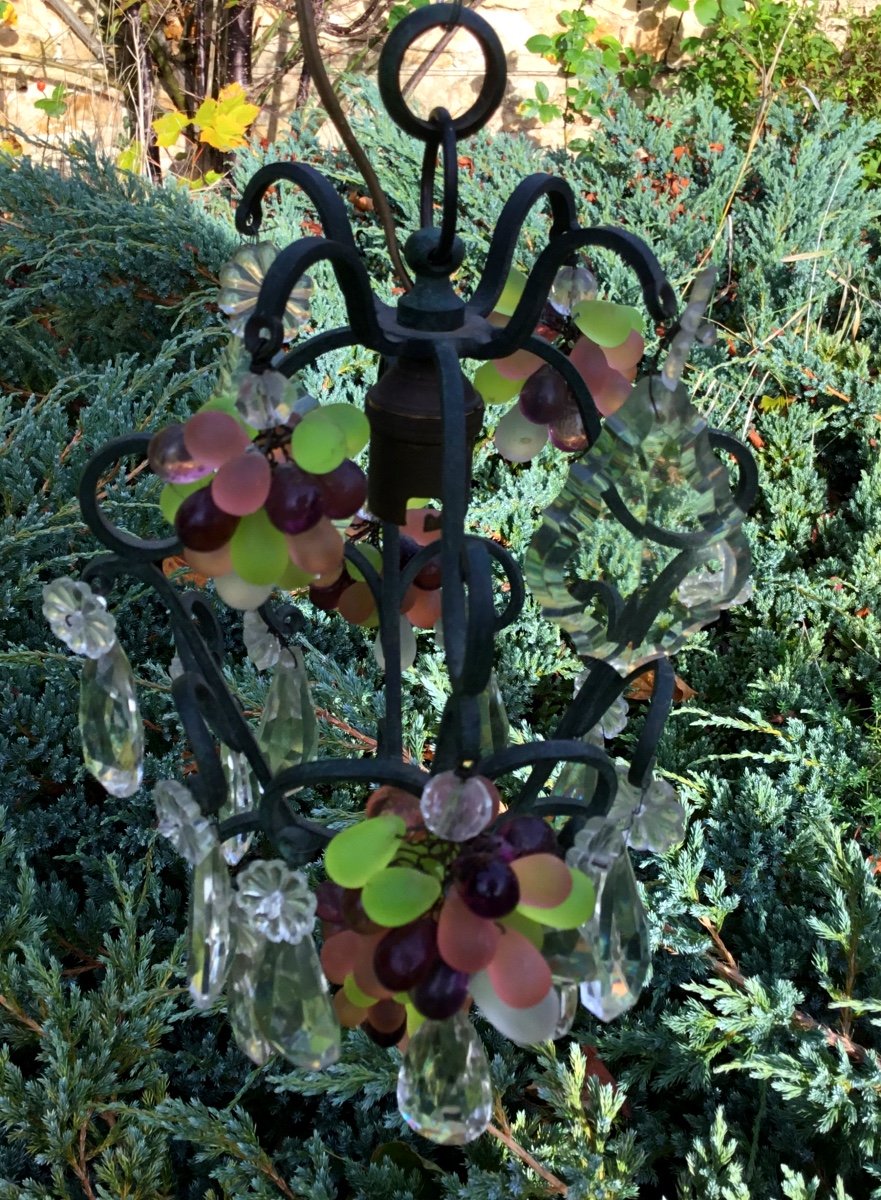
658,295
264,332
527,194
327,203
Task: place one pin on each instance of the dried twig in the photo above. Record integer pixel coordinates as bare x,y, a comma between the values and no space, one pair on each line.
557,1187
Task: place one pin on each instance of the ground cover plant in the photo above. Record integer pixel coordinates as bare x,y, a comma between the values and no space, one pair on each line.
749,1068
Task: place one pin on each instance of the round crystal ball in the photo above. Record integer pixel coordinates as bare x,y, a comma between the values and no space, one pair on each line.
457,808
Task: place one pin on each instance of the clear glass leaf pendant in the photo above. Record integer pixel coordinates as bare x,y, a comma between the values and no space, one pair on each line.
444,1088
288,732
111,729
292,1005
241,990
209,928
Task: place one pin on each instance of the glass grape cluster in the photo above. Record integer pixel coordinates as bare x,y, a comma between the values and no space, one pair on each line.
603,343
427,907
254,482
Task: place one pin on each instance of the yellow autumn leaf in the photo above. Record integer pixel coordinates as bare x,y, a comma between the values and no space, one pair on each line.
11,145
223,121
131,157
8,15
169,127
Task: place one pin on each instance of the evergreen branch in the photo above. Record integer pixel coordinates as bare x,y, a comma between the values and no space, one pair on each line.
364,738
505,1136
79,1164
19,1015
725,966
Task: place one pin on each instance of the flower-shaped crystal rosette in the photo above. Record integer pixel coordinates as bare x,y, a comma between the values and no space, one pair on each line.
414,922
276,901
181,820
240,282
79,617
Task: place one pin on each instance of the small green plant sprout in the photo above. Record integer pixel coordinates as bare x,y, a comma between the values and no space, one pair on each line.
55,104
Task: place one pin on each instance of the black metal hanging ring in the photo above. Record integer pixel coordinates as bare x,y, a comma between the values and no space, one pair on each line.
441,16
133,548
445,144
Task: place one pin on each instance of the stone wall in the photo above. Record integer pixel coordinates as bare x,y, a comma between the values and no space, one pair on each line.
42,50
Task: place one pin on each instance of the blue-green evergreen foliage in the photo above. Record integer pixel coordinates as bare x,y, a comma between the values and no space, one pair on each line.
749,1068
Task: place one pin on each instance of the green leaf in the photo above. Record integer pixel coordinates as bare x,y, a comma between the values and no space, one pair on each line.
541,92
399,895
679,5
540,44
706,11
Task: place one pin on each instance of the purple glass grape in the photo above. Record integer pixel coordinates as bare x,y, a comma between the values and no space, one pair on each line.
545,397
441,993
294,503
488,886
342,490
201,525
404,955
329,902
528,835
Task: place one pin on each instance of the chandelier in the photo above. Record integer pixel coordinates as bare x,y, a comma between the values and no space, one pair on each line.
498,881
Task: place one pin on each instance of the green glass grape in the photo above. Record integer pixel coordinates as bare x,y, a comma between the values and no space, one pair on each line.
493,387
353,423
357,853
318,444
373,556
604,322
511,293
173,495
574,911
258,550
399,895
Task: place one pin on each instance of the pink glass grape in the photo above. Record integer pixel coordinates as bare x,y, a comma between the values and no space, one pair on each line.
213,436
242,484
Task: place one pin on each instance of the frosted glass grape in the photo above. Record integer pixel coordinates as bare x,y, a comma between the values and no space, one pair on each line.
258,550
492,386
457,808
343,490
545,397
173,495
523,1026
488,886
318,550
545,880
170,459
213,437
356,604
404,955
353,424
519,975
626,356
407,646
389,799
528,835
327,598
318,445
237,593
465,941
569,434
210,564
417,522
338,955
201,525
363,971
441,992
425,612
517,439
293,503
241,485
519,365
604,322
607,386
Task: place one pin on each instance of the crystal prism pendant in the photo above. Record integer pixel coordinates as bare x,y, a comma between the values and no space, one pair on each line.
444,1088
292,1005
241,990
659,822
494,725
209,928
111,728
240,282
568,994
288,732
262,646
239,799
617,935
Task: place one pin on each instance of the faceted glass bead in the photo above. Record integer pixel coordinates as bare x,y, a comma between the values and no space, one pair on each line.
571,286
266,400
209,928
111,728
79,617
494,725
618,937
288,732
278,902
262,645
181,820
293,1007
444,1087
240,282
241,990
457,809
239,799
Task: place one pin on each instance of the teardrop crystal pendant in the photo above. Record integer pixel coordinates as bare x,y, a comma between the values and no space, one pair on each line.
288,732
494,725
292,1005
444,1088
568,994
241,990
239,799
618,939
209,928
111,728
